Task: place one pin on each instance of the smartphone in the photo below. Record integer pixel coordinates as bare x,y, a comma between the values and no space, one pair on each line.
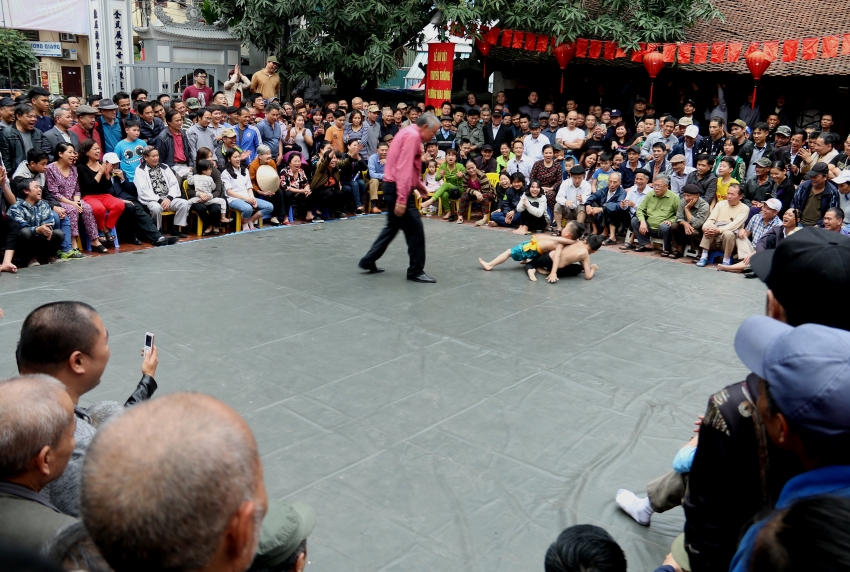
148,342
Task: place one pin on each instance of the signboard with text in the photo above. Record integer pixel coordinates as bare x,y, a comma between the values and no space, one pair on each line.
48,49
438,74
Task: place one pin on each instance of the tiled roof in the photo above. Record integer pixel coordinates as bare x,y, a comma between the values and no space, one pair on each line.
202,33
765,20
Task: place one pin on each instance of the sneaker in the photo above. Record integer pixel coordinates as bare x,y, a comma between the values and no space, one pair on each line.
317,219
71,254
702,262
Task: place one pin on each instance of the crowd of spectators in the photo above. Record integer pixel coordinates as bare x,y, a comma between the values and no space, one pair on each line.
122,169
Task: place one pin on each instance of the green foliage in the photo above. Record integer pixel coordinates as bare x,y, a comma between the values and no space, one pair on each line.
15,47
364,41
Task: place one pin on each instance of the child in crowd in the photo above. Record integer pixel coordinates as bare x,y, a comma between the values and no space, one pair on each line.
129,149
205,184
535,215
600,176
431,184
449,172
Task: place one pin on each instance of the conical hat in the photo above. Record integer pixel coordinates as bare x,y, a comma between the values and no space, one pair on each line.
268,179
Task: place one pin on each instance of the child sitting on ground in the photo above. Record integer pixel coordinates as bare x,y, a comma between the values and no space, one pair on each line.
204,184
532,205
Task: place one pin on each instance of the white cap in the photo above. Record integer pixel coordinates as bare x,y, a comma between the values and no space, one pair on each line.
692,131
111,158
774,204
843,177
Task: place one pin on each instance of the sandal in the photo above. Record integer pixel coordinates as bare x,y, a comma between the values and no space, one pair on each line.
99,248
677,255
628,247
608,242
665,253
216,230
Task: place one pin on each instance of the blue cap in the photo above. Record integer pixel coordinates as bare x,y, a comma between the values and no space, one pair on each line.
807,369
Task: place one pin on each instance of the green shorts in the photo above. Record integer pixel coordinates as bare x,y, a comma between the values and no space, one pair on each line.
518,254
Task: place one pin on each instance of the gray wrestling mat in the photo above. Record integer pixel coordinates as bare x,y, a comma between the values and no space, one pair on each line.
459,425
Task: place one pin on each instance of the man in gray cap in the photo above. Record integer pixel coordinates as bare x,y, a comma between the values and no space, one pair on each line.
804,403
760,186
283,538
7,112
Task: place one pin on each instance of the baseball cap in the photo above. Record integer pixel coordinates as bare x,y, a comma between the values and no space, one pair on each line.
811,261
616,113
577,170
285,527
193,103
817,169
388,137
774,204
843,177
557,146
686,121
691,189
487,147
740,123
763,162
7,102
634,148
692,131
228,132
89,110
677,158
691,101
534,125
401,105
807,369
111,158
543,115
446,118
105,105
271,59
373,109
783,130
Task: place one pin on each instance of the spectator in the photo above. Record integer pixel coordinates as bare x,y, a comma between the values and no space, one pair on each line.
283,538
37,428
759,188
749,114
63,177
472,130
803,414
520,163
206,195
295,186
35,167
310,88
550,127
532,209
496,132
110,127
724,170
60,133
659,165
335,133
603,209
199,449
692,213
273,193
139,95
247,139
38,241
239,191
236,84
761,148
717,108
9,229
713,144
485,162
160,192
173,145
533,142
87,128
357,131
326,185
73,549
199,89
388,125
351,171
39,98
821,150
511,190
570,136
719,230
768,241
376,166
20,137
704,179
815,196
584,547
150,125
450,173
125,109
476,187
738,128
655,216
759,225
531,108
664,136
7,112
833,220
548,173
200,135
784,186
680,173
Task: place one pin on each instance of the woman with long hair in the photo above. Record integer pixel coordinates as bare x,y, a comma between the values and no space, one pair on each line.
239,191
300,138
296,187
326,184
731,149
784,185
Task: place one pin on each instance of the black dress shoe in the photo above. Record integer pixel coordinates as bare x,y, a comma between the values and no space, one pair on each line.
422,277
643,249
370,267
136,241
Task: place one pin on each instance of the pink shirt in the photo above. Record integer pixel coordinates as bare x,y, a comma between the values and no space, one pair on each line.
204,96
404,163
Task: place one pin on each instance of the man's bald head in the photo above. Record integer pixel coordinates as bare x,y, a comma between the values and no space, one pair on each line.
174,484
35,412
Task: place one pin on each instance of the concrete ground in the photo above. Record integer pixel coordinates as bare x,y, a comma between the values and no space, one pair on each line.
458,425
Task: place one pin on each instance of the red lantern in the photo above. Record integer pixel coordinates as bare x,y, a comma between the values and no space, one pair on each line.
483,47
758,63
653,62
564,54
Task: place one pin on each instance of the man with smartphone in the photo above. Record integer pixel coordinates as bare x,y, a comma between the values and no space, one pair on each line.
69,341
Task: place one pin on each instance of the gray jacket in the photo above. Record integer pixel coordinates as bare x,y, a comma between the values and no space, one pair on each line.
699,214
27,519
50,139
198,137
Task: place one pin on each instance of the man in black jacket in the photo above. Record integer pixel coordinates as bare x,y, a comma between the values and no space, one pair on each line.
172,144
20,137
62,123
496,133
737,471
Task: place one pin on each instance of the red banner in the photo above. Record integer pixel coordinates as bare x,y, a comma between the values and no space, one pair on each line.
830,47
700,53
438,74
669,53
685,53
637,55
789,50
581,48
810,48
718,52
751,48
733,52
609,50
519,38
771,50
530,42
845,45
542,43
595,49
507,35
621,53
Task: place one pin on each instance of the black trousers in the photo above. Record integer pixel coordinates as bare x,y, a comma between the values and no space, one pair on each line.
533,222
410,224
545,261
277,201
210,214
9,231
136,222
325,197
31,245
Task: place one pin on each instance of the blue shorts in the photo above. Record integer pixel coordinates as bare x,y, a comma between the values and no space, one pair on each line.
518,254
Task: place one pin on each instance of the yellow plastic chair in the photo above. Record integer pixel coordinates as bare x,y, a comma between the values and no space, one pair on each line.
200,223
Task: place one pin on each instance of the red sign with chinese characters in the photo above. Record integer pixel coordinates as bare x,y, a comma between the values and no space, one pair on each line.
438,74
